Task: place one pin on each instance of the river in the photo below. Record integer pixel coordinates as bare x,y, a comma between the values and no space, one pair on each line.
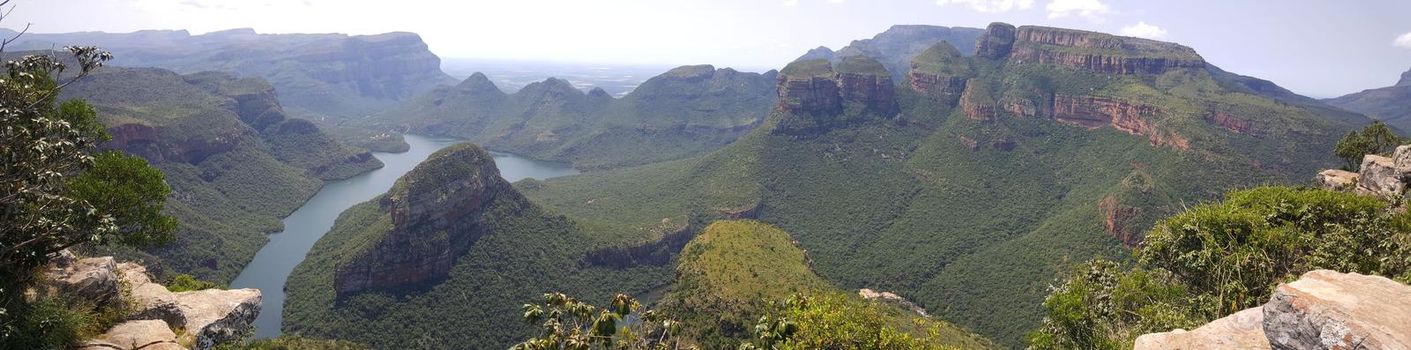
286,249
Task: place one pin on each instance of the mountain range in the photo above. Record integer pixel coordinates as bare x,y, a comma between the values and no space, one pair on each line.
959,169
1390,104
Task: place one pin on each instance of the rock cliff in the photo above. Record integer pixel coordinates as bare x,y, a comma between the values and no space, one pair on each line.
1323,309
1091,51
151,312
435,212
1380,176
330,74
815,96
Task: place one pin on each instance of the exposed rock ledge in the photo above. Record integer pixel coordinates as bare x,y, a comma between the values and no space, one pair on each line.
209,317
1385,177
1321,310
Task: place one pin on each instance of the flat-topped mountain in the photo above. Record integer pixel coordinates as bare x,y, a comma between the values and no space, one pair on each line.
235,161
1390,104
992,170
328,74
682,112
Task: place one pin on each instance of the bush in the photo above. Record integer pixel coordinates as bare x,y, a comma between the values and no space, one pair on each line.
1218,258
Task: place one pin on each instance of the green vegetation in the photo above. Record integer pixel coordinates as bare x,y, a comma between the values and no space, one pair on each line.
860,65
61,192
288,342
972,219
1218,258
568,323
684,112
737,279
840,321
942,59
808,69
185,282
1376,138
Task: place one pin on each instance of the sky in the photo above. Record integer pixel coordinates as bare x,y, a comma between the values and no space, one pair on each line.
1320,48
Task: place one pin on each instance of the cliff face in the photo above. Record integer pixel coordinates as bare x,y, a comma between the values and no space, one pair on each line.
435,212
1091,51
331,74
814,96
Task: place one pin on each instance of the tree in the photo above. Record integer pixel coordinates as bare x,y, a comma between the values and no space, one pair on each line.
1376,138
58,190
568,323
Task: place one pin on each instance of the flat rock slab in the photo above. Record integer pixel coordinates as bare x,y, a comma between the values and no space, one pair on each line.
131,335
1331,310
218,316
1242,330
1337,180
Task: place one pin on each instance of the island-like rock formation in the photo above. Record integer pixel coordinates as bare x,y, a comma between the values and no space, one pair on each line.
436,212
151,312
1323,309
815,96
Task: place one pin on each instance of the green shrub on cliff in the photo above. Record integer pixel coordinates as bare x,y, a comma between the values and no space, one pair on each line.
1218,258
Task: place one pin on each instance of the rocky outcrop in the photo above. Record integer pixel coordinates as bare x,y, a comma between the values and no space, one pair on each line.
1229,122
1090,51
997,41
1379,176
1323,309
1330,310
978,101
1120,220
815,96
1132,118
208,317
436,214
1242,330
92,279
134,335
1337,179
892,298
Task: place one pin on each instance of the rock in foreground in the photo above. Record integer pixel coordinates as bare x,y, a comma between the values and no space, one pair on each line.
1323,309
1330,310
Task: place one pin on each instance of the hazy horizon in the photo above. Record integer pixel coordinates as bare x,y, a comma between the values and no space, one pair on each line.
1315,48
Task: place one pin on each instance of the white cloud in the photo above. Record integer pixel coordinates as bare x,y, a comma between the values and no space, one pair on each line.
1144,30
1085,8
791,3
1403,41
990,6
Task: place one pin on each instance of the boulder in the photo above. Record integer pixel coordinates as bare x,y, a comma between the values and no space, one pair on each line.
1379,177
216,316
130,335
1401,159
149,300
1242,330
93,279
1330,310
1337,180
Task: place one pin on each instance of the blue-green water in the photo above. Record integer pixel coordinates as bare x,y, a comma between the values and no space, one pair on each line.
285,250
